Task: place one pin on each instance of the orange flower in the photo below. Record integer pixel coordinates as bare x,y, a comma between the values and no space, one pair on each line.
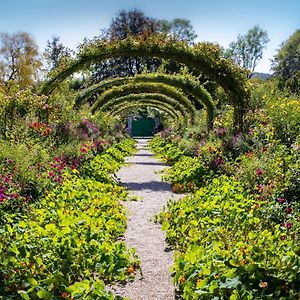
181,279
263,284
130,270
65,295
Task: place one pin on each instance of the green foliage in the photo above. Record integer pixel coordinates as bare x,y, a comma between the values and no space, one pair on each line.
286,63
248,49
19,61
148,103
236,237
166,151
178,29
186,174
114,94
67,245
227,247
188,84
205,57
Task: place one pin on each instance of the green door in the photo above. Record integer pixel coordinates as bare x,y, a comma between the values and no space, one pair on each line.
143,127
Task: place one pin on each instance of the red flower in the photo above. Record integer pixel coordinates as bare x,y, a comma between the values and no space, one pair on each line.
258,172
289,225
289,210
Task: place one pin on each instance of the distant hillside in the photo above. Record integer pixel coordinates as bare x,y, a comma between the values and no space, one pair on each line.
263,76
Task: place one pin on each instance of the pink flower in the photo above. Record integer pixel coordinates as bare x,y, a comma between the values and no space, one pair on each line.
83,150
5,179
289,210
258,172
281,200
51,174
260,187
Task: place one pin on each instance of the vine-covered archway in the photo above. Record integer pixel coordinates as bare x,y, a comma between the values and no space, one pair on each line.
160,99
205,57
176,115
141,88
187,84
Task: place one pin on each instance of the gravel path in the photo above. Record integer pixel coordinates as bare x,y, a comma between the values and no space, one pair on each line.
141,178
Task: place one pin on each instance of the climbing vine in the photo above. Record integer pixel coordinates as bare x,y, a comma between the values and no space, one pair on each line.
123,90
149,103
187,84
205,57
159,99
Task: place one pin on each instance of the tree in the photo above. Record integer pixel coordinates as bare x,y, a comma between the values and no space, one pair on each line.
286,63
133,22
127,23
55,52
248,49
19,58
136,23
179,29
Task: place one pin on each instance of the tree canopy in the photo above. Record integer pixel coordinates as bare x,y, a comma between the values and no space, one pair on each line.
247,50
286,63
19,58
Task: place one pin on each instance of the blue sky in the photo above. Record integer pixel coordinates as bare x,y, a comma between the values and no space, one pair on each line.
213,20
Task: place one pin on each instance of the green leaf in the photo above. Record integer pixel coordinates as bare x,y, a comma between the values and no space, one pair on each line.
32,281
230,283
24,295
43,294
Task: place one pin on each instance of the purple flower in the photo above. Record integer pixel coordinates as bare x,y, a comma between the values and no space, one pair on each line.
2,197
281,200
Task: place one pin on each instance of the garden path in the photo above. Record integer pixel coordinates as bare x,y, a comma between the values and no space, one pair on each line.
142,177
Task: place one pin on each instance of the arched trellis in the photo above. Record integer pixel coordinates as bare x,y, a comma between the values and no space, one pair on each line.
148,97
205,57
177,116
187,84
157,88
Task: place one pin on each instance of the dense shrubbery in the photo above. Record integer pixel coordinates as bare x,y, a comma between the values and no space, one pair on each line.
65,244
237,235
61,217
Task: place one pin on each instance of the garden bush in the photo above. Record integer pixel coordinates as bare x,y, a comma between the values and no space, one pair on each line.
66,245
228,248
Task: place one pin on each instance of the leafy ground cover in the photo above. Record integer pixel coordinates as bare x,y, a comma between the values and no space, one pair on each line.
66,244
236,235
61,216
